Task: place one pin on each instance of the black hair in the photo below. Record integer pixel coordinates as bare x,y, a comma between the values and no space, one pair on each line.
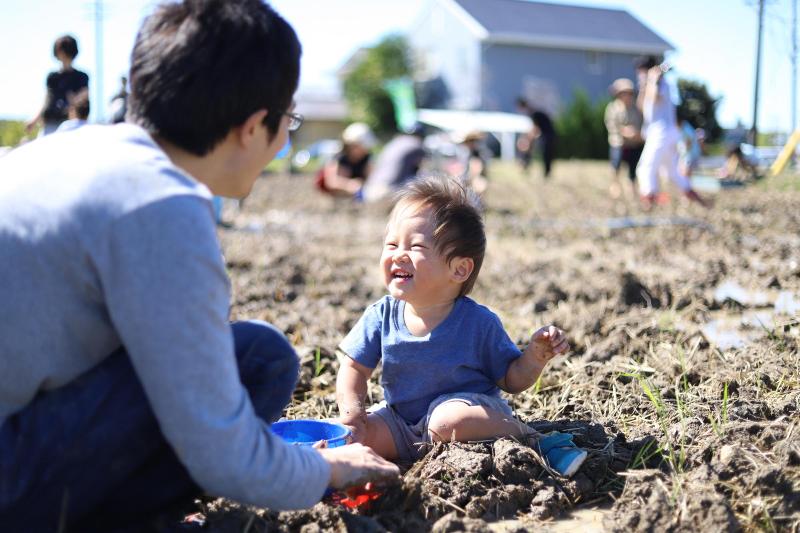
645,62
201,67
79,103
418,129
66,44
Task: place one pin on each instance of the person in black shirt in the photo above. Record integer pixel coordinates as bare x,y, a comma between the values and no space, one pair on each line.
62,85
543,133
344,175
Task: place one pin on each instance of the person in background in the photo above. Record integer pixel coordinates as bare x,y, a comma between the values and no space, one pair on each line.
623,121
660,154
471,160
78,113
125,391
689,151
738,167
345,173
119,102
61,86
542,134
399,162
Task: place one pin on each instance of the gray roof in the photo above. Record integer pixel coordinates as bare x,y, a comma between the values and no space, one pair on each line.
540,23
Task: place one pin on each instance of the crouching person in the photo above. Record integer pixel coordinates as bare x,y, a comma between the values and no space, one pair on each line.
124,390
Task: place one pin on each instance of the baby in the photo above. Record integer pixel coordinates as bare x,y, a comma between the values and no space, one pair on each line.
445,357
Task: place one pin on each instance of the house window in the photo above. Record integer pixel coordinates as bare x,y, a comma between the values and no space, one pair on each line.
595,62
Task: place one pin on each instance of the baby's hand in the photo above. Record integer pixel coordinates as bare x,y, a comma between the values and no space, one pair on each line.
548,342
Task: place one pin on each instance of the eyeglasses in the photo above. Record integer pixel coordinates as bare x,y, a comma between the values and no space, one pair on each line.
295,120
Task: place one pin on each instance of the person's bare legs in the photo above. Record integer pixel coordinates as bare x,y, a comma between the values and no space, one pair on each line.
379,437
458,421
615,188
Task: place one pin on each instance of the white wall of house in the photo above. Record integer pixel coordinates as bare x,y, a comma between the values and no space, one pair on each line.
445,44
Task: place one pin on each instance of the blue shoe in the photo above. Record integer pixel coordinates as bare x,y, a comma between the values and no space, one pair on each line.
566,461
561,453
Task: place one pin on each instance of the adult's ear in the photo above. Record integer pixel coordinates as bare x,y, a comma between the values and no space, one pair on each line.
461,269
249,129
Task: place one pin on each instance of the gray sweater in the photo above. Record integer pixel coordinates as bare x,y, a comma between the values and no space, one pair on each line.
103,243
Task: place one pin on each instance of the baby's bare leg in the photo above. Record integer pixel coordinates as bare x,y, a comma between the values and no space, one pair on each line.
379,437
458,421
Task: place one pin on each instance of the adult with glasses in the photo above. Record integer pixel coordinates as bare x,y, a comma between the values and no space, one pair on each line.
124,390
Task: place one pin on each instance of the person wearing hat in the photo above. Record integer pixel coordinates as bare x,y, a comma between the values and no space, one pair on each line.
471,159
623,121
344,175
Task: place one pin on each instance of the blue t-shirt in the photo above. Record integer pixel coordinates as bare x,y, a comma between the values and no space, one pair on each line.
468,352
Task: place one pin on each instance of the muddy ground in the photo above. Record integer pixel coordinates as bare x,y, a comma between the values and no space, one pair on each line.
684,391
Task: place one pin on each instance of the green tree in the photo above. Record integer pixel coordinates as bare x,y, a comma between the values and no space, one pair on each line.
11,132
699,107
363,85
581,128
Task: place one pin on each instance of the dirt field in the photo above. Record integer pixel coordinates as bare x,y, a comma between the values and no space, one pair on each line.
683,382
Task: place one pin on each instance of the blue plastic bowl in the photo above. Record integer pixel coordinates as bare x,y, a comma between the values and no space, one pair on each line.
308,432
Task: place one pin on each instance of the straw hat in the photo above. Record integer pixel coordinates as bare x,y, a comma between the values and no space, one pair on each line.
466,136
621,85
359,133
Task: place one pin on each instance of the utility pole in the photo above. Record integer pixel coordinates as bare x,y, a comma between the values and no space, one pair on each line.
794,67
754,129
98,43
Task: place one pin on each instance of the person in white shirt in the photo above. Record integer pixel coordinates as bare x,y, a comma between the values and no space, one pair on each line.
660,154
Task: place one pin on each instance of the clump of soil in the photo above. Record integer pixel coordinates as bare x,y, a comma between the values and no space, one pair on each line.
682,435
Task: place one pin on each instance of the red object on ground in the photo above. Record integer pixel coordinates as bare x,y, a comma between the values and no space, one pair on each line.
198,519
357,497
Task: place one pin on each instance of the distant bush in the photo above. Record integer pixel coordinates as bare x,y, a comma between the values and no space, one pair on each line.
11,132
581,129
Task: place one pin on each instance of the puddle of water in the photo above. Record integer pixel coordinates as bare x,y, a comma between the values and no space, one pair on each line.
705,183
731,331
623,223
730,290
737,331
783,302
710,183
650,222
787,303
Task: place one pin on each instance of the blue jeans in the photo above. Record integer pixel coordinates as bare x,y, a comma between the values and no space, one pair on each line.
90,455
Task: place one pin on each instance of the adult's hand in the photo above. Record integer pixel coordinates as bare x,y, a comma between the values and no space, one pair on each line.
356,464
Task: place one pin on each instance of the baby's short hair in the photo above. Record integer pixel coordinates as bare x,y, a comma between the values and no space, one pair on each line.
458,225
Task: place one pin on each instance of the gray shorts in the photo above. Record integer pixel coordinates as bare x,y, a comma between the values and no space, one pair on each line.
412,440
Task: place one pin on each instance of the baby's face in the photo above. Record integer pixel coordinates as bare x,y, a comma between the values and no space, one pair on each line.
413,269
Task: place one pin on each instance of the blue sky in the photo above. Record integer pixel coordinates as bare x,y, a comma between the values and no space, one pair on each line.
715,41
